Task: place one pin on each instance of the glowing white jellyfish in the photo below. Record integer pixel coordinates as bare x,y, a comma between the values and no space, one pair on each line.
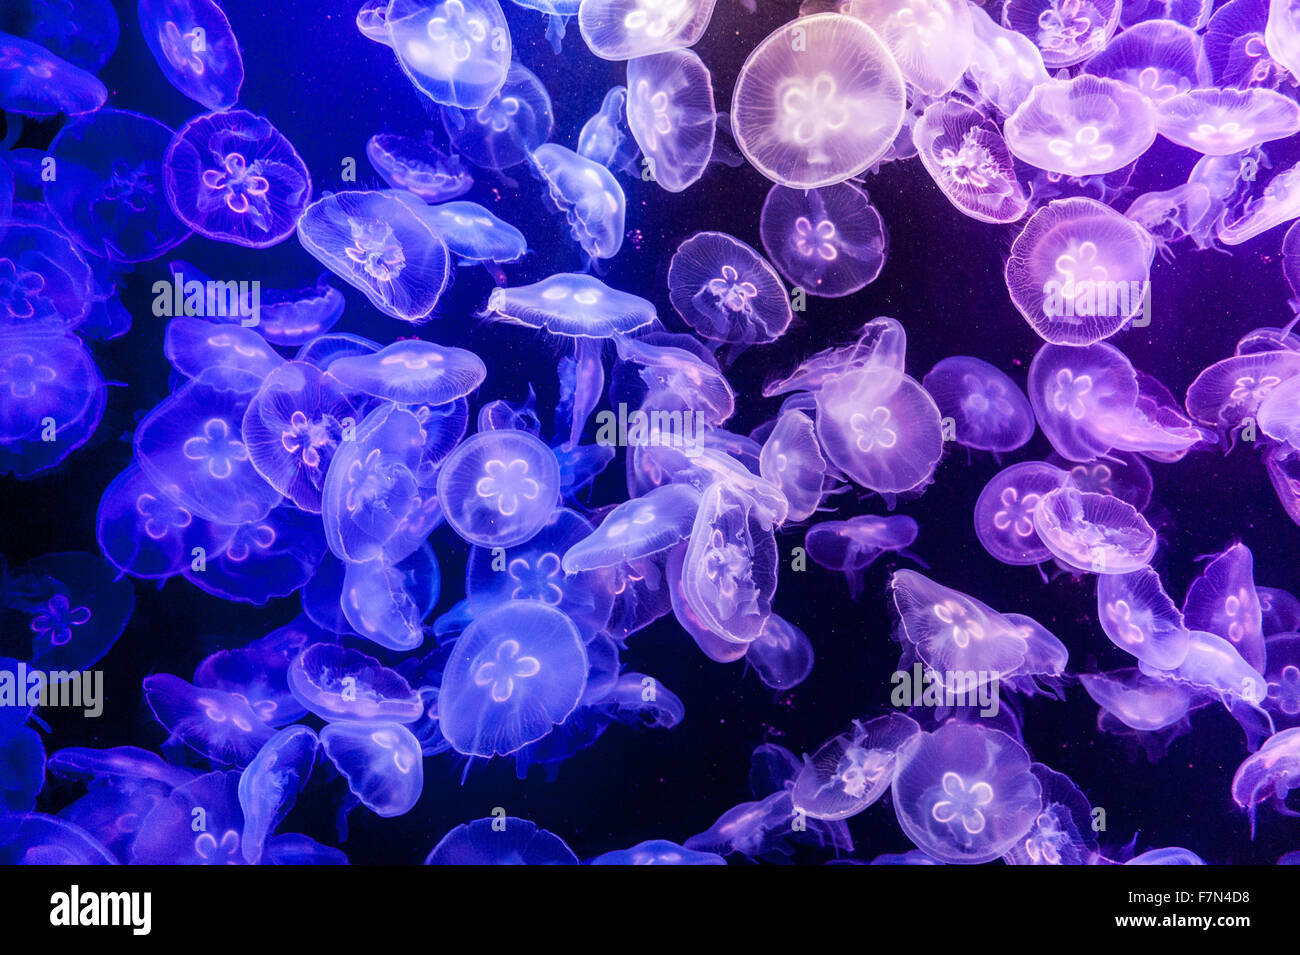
1066,31
1223,122
456,52
1005,65
623,29
671,115
968,159
932,40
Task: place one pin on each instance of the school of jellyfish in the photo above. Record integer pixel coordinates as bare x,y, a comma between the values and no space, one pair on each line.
393,399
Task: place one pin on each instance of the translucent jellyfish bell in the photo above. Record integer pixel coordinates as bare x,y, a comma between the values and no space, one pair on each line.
1005,65
726,291
1279,203
1162,58
1228,392
572,304
1081,127
418,166
195,49
45,373
931,40
851,771
381,761
1272,772
623,29
456,52
232,176
501,841
505,130
1094,532
499,487
1223,600
168,836
473,234
377,243
792,460
218,725
853,545
637,529
1138,616
1063,832
954,633
881,345
990,411
35,82
1004,512
340,684
657,852
671,114
1066,31
965,794
514,674
1282,36
1138,701
412,372
1079,271
1222,122
271,783
817,102
604,138
968,159
830,242
587,195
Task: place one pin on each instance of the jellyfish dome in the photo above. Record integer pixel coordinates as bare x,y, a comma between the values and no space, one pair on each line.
1162,58
1005,65
587,195
514,674
968,159
1223,122
658,852
830,242
35,82
473,234
726,291
1272,772
965,794
1282,36
851,771
1004,512
195,49
636,529
817,102
418,166
989,410
792,460
1138,616
1081,127
505,130
671,114
501,840
1066,31
46,375
931,40
1094,532
377,243
340,684
193,345
456,52
853,545
381,761
572,304
499,487
623,29
412,372
233,177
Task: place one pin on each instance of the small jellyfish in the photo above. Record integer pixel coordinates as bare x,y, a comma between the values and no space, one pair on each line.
817,102
1282,36
1223,122
78,606
232,176
932,40
781,654
881,345
387,601
294,317
1279,203
219,725
340,684
195,48
1283,678
456,52
1138,616
35,82
1161,58
849,772
1094,532
1272,772
381,762
623,29
587,195
792,460
636,529
1230,391
671,114
989,410
270,784
473,234
1004,512
967,158
854,545
1066,31
46,375
499,487
965,794
605,139
1139,702
675,378
513,675
657,852
22,770
418,166
1081,127
1063,832
726,291
1223,601
505,130
829,242
412,372
501,840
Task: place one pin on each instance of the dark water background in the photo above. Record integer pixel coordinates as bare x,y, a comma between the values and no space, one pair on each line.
328,89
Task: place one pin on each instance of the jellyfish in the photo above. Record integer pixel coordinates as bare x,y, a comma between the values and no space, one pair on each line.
849,772
86,34
829,242
1282,678
678,383
270,784
108,192
1279,203
44,279
671,114
293,848
1282,37
1277,414
371,21
1081,127
781,654
49,383
624,29
456,52
1082,397
1004,512
604,138
1213,664
499,488
192,345
726,291
36,839
418,166
636,529
386,600
1279,610
1273,772
587,195
381,762
1223,601
1093,532
260,671
412,372
1063,832
881,345
195,48
515,673
1223,122
817,102
1066,31
1139,702
657,852
505,130
1138,617
1162,58
989,410
473,234
1229,393
932,41
232,176
377,243
967,158
263,559
1005,65
500,840
792,460
854,545
340,684
213,723
35,82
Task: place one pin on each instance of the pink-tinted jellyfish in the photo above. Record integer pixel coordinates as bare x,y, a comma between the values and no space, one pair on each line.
1278,413
418,166
1137,701
377,243
199,823
1280,610
501,840
499,487
35,82
1184,212
340,684
965,794
1005,65
1063,832
886,440
623,29
657,852
1079,271
456,52
781,654
108,193
881,344
1230,391
1082,397
1282,37
1094,532
1279,203
1004,512
513,675
195,49
412,372
1222,122
587,195
931,40
817,102
381,762
636,529
852,546
792,460
677,382
507,128
1162,58
671,114
218,725
233,177
967,158
1223,601
1122,475
270,784
989,410
726,291
1270,773
849,772
1066,31
1138,617
1081,127
1283,678
1236,47
193,345
830,242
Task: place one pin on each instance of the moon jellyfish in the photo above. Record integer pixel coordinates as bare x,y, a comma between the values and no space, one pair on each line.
501,840
270,784
1282,36
623,29
499,487
657,852
1138,616
386,601
1081,127
1213,664
1063,832
232,176
587,195
1005,65
1279,203
108,194
990,411
932,40
1094,532
473,234
85,34
35,82
381,762
849,772
781,654
412,372
817,102
1222,122
193,345
678,383
1228,392
1079,271
265,558
853,545
967,158
965,794
1139,702
1082,397
340,684
726,291
218,725
1161,58
377,243
1223,601
792,460
505,130
514,674
830,242
604,138
46,375
1272,772
1066,31
636,529
22,770
881,345
418,166
195,48
571,304
456,52
170,834
671,114
1004,512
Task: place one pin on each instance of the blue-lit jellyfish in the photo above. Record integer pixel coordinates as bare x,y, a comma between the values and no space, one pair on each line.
852,546
456,52
500,840
85,32
473,234
726,291
499,487
829,242
35,839
48,381
381,761
264,558
195,49
587,195
340,684
968,159
1162,58
623,29
636,529
260,671
219,725
386,601
418,166
233,177
514,674
671,114
676,379
107,192
989,410
412,372
1066,31
604,137
657,852
1138,616
22,770
851,771
78,609
193,345
270,784
377,243
35,82
507,128
294,317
